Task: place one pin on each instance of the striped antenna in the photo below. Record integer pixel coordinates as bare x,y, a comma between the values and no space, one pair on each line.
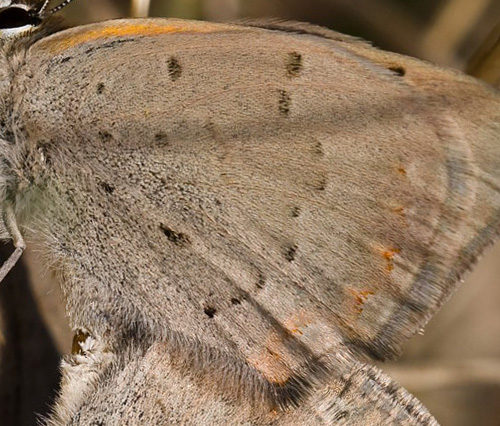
55,9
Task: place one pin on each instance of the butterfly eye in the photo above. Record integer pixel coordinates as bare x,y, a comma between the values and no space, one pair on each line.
17,17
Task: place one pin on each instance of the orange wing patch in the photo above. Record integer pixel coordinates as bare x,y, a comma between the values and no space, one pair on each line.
402,171
400,210
271,365
389,257
296,324
275,360
128,28
360,298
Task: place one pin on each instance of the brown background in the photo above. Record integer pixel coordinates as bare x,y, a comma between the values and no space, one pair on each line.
454,368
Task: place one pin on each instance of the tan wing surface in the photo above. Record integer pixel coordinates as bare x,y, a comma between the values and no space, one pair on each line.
147,387
268,203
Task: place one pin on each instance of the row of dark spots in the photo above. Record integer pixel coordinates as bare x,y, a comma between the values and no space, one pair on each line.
284,102
174,71
109,45
210,311
55,62
160,138
293,65
179,238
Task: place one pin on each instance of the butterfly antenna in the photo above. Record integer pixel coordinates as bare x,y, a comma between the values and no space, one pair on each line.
43,9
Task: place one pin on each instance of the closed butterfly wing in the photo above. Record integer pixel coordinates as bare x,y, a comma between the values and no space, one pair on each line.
281,202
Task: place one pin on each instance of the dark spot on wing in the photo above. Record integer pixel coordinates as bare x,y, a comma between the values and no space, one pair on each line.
210,311
295,211
105,136
177,238
340,415
174,68
317,183
321,185
318,148
290,252
161,138
235,301
294,64
109,45
107,187
211,128
398,70
261,281
284,102
100,88
55,62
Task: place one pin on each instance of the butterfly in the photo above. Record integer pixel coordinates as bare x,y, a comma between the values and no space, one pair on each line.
243,217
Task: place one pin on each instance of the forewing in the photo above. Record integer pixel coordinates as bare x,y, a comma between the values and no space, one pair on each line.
268,202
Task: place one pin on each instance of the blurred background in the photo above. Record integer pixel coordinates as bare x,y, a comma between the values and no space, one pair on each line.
454,368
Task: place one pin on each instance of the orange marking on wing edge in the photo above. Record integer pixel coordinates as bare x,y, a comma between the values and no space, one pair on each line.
274,413
389,257
361,296
128,29
297,322
402,171
400,211
271,366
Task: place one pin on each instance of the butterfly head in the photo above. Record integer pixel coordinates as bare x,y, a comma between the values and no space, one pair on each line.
19,18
